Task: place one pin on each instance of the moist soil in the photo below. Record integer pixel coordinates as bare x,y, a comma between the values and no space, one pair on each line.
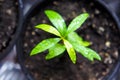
99,29
8,22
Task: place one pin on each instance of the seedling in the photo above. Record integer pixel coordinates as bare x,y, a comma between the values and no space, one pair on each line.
66,38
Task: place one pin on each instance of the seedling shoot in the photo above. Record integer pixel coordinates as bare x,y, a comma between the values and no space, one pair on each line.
71,41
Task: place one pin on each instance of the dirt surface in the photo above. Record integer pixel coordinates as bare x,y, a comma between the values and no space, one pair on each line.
99,29
8,14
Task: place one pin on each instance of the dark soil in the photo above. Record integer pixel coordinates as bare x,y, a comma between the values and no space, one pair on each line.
99,29
8,22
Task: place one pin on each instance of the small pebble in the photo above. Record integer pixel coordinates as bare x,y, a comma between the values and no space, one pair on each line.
92,15
25,45
96,74
107,44
93,25
43,21
81,66
108,60
87,36
9,27
100,78
110,24
104,73
107,55
73,13
55,3
4,43
9,11
16,3
116,53
26,33
32,40
91,4
101,29
33,19
29,27
107,35
51,79
33,33
97,11
84,10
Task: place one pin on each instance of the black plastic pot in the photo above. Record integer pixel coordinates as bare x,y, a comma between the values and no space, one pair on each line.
111,7
9,47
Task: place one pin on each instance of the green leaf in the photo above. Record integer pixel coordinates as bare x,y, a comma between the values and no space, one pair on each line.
77,22
48,28
74,37
93,54
57,20
70,51
44,45
55,51
86,52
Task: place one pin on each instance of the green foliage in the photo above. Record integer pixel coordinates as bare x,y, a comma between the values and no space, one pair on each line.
57,21
70,50
71,40
55,51
44,45
77,22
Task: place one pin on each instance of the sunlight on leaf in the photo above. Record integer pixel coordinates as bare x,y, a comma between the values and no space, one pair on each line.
71,40
44,45
55,51
77,22
93,54
57,20
48,28
70,51
86,52
74,37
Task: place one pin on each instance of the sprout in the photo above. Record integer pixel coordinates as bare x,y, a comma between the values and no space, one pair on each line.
72,42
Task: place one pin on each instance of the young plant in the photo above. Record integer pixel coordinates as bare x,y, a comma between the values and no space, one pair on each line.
66,38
